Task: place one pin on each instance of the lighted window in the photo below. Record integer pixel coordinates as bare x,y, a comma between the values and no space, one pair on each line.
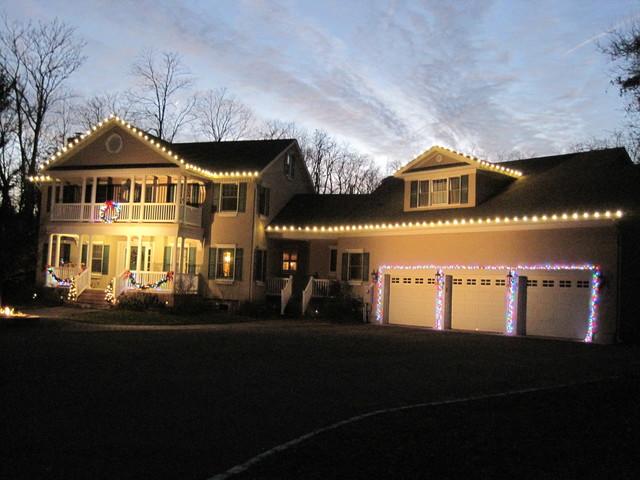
225,263
229,197
439,192
289,261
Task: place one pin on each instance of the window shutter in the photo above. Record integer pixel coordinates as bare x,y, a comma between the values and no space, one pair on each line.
105,259
216,197
238,265
242,197
45,255
285,164
413,200
293,166
257,264
464,189
267,195
213,256
345,267
83,253
166,259
365,267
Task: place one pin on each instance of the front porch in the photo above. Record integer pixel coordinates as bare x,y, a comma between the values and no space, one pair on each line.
156,264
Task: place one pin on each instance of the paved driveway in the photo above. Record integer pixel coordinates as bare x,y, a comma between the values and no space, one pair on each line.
95,402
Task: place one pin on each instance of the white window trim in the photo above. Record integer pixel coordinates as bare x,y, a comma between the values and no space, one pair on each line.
228,213
226,246
349,251
435,206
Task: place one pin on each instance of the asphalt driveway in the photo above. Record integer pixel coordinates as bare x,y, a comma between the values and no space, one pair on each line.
84,401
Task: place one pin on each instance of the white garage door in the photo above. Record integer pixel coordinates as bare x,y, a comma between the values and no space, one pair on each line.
478,301
558,303
412,298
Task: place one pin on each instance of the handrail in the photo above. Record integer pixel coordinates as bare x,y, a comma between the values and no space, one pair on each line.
322,287
275,285
83,281
307,293
285,294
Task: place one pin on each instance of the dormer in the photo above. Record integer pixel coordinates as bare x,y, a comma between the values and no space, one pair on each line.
442,178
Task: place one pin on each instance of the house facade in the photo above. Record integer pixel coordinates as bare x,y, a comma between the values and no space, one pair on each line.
528,247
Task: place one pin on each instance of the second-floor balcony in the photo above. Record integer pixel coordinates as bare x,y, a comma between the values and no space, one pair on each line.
129,212
126,200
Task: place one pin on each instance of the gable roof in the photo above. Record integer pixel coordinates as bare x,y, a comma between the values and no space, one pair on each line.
459,159
594,181
209,159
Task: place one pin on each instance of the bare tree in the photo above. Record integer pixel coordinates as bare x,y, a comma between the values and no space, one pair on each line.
99,107
628,139
38,58
222,116
277,129
162,95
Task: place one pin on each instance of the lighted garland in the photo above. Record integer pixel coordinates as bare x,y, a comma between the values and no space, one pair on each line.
110,212
512,299
594,299
131,278
62,282
109,296
72,294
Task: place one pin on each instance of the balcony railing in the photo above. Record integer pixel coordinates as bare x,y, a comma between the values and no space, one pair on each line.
129,213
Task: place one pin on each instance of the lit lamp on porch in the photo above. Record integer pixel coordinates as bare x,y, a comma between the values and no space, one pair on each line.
226,264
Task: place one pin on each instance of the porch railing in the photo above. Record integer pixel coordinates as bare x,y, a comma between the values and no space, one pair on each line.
129,212
287,290
63,272
83,281
186,283
275,285
306,295
322,287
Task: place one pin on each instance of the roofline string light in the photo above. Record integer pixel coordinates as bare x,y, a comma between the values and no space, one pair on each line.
513,271
483,163
457,222
157,145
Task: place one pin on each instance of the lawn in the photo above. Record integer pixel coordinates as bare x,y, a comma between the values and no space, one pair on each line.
118,316
82,400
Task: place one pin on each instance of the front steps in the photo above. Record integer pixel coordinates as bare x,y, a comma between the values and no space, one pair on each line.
92,298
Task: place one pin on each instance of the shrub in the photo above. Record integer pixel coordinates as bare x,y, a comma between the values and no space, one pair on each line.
190,304
342,307
140,302
255,310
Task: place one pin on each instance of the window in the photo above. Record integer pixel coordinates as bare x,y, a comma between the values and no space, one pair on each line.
230,197
582,284
145,259
260,265
225,263
404,280
289,261
65,253
548,283
263,200
100,259
289,165
355,266
441,191
419,193
333,259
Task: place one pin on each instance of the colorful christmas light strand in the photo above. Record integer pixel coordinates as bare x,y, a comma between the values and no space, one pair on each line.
594,301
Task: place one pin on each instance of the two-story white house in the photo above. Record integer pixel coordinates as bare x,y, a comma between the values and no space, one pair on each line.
543,246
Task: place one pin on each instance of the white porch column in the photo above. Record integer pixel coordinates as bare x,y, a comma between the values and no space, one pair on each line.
79,253
178,197
90,254
127,254
180,268
58,249
53,199
174,255
94,189
132,192
138,257
50,248
143,196
82,196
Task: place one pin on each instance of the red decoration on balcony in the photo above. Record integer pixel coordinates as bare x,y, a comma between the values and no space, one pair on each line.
109,212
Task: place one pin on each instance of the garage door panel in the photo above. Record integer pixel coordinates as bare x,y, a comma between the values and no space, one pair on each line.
478,301
412,299
558,304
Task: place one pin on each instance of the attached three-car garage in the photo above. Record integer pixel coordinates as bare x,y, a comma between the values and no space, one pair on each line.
556,302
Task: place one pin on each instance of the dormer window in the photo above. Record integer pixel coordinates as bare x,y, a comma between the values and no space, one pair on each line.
439,192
